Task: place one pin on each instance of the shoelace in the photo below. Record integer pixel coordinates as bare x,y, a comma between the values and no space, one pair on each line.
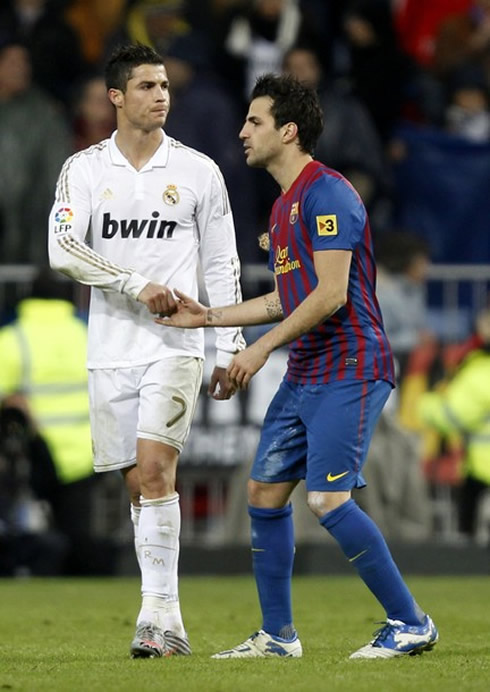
382,633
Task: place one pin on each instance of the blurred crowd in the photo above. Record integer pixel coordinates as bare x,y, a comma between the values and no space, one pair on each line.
377,65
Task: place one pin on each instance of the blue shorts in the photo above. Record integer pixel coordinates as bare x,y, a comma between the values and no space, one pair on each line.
320,433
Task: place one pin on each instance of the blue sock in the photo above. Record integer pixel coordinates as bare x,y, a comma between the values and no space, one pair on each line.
273,556
364,546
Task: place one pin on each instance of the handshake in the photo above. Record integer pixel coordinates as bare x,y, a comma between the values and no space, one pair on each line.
173,309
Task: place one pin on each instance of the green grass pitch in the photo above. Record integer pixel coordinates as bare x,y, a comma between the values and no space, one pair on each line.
73,635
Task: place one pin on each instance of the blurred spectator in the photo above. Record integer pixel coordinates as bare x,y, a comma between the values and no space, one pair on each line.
53,45
467,113
462,407
462,37
349,142
441,185
199,98
93,117
34,142
154,23
403,261
43,376
379,70
94,21
418,22
442,36
321,30
255,37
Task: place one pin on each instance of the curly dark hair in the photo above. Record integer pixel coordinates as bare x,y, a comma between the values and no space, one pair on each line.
293,102
124,59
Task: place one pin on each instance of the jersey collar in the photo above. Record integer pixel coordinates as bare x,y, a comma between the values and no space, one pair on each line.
159,158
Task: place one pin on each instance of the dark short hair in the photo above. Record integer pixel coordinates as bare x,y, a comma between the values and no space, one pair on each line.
294,102
123,61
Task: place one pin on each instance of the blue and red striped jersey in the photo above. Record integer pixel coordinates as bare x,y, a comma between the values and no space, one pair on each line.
322,211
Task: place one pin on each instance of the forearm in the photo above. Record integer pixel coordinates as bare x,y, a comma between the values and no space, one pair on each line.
315,309
261,310
74,258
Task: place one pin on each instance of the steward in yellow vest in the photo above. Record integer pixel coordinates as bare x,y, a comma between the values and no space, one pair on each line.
43,373
42,356
463,407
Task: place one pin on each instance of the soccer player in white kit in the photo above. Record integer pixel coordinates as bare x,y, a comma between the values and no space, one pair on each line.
133,217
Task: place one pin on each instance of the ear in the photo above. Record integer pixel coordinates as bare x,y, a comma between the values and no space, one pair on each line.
116,97
290,132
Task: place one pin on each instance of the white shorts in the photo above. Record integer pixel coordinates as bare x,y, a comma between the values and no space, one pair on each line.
154,402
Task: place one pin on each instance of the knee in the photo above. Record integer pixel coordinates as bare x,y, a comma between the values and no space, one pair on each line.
267,495
316,504
157,479
320,503
255,493
157,468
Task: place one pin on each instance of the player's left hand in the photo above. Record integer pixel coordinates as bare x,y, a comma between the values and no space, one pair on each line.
220,386
246,363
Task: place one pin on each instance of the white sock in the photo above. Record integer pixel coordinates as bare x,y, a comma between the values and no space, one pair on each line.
135,518
158,547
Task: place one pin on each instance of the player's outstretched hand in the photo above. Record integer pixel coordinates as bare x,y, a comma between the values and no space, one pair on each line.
158,299
188,313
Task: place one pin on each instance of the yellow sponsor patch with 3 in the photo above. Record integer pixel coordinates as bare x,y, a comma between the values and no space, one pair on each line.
327,225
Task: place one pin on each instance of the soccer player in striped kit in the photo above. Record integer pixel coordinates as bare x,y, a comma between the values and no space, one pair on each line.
339,375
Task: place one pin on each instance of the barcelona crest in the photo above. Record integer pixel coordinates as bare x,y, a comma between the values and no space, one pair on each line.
293,216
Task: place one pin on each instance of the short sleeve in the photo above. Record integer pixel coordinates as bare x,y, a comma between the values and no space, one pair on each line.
334,214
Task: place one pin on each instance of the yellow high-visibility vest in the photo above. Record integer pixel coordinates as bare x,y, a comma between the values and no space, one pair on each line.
42,355
463,407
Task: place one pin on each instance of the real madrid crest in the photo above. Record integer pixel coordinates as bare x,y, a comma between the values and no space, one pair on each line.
294,213
170,195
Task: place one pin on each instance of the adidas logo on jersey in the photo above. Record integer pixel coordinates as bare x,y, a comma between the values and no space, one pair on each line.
137,228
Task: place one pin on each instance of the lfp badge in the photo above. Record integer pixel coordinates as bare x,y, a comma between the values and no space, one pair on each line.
63,217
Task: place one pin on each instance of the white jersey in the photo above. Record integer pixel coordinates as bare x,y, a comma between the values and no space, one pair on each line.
115,228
